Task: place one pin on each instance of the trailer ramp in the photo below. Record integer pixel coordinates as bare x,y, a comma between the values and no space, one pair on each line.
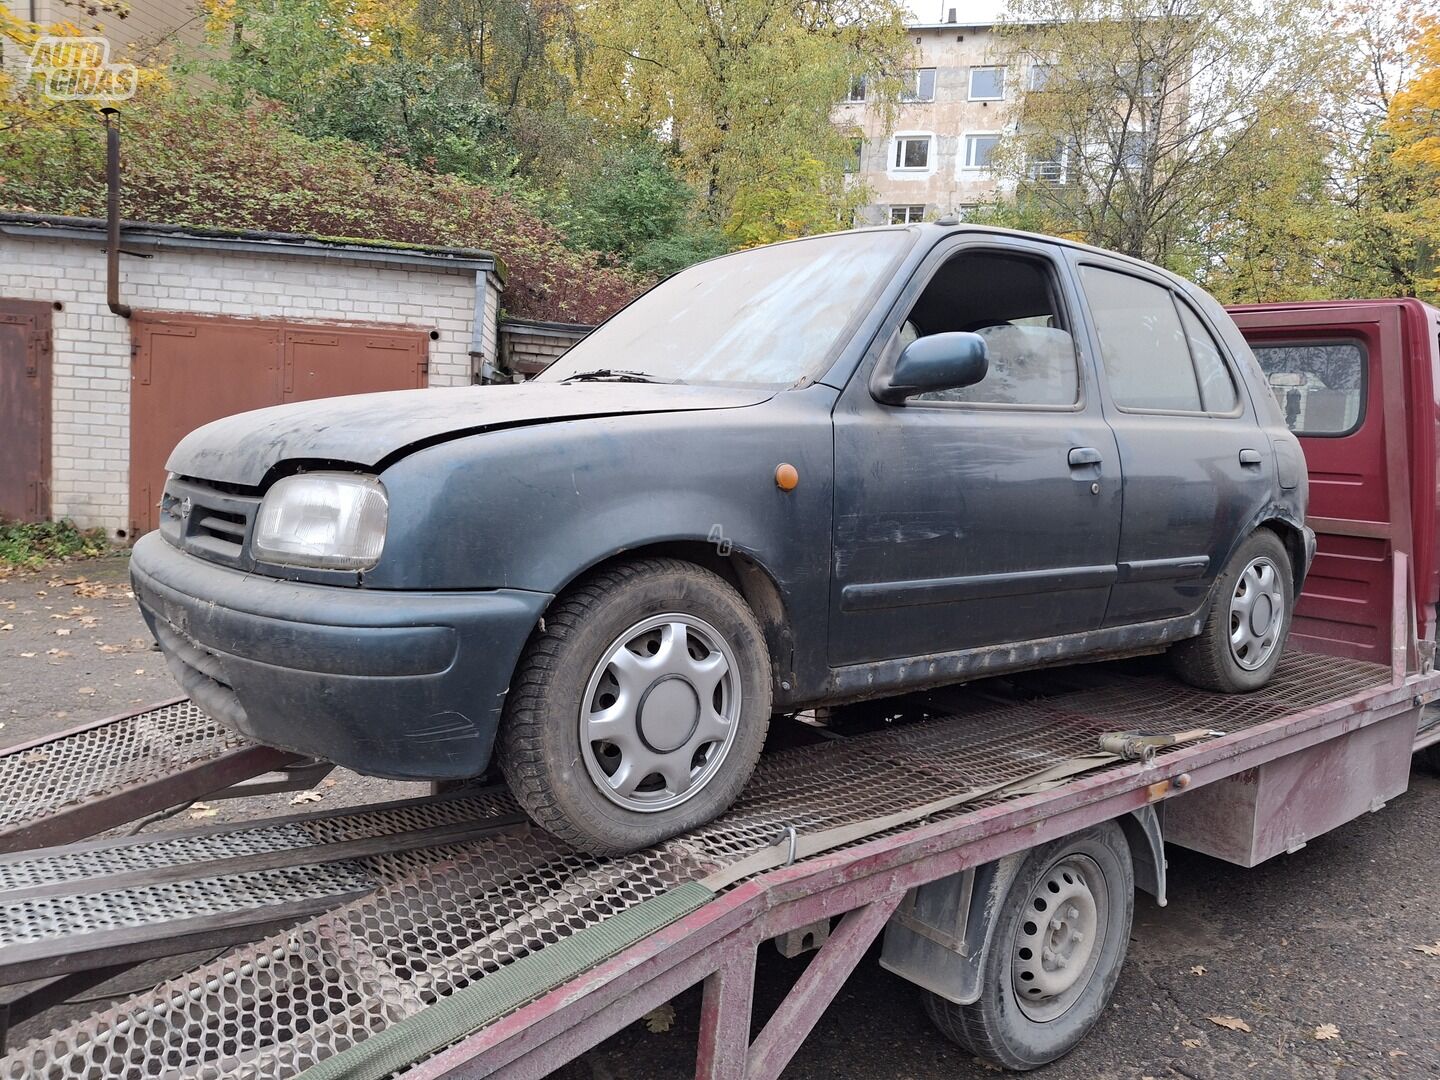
463,913
102,774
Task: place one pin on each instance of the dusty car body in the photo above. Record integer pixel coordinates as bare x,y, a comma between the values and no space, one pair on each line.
804,424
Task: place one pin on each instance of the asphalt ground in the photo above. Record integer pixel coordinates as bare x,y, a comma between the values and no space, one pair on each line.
1332,936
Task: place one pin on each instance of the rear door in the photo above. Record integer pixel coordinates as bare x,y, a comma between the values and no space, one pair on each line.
24,410
1197,466
1347,407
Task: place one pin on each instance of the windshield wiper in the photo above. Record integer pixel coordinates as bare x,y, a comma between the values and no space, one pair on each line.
615,375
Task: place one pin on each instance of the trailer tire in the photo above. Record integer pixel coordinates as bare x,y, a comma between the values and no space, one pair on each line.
1018,1022
1258,580
669,658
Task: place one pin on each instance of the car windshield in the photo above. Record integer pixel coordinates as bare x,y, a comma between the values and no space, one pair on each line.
770,316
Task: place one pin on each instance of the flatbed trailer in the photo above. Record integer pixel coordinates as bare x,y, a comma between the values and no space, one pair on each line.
445,936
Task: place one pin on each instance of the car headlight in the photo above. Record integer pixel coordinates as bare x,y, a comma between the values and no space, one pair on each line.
322,519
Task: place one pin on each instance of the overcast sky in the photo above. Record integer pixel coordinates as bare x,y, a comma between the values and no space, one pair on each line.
970,12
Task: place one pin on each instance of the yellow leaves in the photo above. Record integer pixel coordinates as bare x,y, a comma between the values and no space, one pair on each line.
1415,109
1325,1032
1230,1023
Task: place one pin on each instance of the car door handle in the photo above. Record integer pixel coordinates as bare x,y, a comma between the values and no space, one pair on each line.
1084,455
1250,457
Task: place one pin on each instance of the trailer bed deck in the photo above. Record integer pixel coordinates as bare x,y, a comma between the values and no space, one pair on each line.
416,908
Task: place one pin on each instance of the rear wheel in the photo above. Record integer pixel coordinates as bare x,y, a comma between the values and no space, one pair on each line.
1244,635
1054,955
640,709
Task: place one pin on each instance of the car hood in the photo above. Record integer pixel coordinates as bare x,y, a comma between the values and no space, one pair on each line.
367,429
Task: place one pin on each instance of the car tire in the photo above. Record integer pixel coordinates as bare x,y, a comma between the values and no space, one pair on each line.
1251,607
639,708
1017,1023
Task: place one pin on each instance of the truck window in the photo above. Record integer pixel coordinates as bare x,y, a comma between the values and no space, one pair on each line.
1320,385
1012,302
1143,345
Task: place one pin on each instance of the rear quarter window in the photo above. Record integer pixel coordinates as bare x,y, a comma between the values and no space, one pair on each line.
1320,386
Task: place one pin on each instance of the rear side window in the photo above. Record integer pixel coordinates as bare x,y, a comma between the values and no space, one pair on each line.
1147,362
1320,385
1217,388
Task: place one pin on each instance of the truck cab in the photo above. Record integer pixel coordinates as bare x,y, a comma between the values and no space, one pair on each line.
1357,382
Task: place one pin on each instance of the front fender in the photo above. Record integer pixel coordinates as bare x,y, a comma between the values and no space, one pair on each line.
544,503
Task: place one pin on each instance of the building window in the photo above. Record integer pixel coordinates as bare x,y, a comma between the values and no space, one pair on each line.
979,149
857,89
855,160
1048,167
1041,76
920,85
987,84
912,152
906,215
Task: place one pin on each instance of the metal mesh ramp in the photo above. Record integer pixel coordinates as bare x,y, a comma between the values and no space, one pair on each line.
271,1009
95,776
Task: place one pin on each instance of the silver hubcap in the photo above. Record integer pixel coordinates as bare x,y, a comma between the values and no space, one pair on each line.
1057,945
660,712
1257,612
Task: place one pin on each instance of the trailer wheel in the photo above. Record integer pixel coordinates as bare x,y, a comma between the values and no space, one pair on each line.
1244,635
1054,953
639,709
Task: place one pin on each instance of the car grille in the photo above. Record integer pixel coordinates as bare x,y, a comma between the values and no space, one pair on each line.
207,522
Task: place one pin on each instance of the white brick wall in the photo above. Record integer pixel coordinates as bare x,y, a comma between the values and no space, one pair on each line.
91,358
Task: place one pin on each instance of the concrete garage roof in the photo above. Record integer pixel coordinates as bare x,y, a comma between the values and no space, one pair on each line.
151,236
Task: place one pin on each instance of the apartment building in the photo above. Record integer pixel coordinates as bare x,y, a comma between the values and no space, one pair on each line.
934,157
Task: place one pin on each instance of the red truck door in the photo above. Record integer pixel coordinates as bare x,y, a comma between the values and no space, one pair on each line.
1341,375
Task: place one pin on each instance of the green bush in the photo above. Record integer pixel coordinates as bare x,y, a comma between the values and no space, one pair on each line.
29,546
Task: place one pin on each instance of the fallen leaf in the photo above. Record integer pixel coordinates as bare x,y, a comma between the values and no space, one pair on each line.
329,781
27,655
1429,950
35,757
1191,1043
8,626
1325,1032
56,652
1398,1053
64,631
1233,1023
1198,969
87,690
306,797
200,812
139,671
661,1018
112,648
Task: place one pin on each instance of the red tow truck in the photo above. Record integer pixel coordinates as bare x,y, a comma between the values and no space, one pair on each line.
994,833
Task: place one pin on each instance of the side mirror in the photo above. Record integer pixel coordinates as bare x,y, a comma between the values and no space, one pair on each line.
937,362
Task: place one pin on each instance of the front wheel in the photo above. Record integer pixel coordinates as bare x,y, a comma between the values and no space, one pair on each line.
1054,954
1244,635
639,709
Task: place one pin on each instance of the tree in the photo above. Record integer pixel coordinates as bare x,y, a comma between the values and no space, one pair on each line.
1166,114
1414,123
743,89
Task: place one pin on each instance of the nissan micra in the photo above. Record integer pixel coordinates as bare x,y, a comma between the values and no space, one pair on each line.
804,474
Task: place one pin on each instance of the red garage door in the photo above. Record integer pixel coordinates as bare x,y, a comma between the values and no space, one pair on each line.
189,370
24,410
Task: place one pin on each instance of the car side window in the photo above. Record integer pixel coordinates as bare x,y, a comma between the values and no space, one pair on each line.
1012,301
1217,385
1142,342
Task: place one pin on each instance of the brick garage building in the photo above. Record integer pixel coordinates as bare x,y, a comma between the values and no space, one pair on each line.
91,403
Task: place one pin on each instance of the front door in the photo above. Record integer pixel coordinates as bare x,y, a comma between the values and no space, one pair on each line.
985,515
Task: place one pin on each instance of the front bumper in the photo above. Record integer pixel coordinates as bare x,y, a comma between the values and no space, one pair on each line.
408,685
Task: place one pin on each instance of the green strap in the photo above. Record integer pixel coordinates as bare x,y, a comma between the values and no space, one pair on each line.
487,999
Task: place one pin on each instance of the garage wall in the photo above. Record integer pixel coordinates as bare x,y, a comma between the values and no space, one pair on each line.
91,351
